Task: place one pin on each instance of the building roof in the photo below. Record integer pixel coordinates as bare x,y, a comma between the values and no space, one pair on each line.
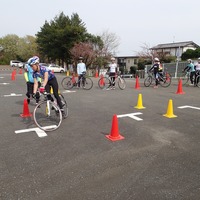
175,45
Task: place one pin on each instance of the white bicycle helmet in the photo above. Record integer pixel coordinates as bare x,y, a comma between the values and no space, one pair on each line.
156,60
33,60
112,59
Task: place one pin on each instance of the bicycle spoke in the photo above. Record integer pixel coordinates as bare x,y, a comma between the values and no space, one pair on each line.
47,117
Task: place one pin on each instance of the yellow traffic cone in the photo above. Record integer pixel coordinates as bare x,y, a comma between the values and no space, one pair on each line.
170,112
139,104
51,90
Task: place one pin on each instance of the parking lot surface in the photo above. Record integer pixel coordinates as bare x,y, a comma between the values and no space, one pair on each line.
157,159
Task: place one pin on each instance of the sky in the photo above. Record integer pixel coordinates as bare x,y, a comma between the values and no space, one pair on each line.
136,23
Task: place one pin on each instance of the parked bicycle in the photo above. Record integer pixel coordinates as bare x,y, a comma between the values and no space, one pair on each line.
71,81
47,114
164,79
106,82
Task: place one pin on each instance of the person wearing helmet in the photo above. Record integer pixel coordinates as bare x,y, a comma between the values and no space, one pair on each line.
155,69
48,77
81,71
190,68
112,72
197,71
28,75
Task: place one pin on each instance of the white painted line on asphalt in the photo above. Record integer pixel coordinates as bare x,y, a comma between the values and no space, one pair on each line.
196,108
1,77
12,95
38,131
69,91
4,83
131,115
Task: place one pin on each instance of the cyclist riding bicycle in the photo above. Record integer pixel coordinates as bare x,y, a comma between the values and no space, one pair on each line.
155,69
197,70
48,77
190,68
28,75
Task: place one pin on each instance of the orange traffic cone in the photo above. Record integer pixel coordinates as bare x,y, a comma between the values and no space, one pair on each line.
20,71
180,89
25,110
13,76
102,80
14,72
137,84
96,74
114,134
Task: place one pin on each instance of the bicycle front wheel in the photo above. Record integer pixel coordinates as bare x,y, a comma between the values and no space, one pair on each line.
198,81
147,81
87,83
185,78
121,83
67,83
47,116
104,83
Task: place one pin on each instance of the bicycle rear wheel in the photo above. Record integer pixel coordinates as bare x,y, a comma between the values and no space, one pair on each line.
147,81
87,84
166,80
47,116
104,83
67,83
121,83
65,107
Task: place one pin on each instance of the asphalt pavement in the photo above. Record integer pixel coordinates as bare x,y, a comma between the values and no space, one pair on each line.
158,159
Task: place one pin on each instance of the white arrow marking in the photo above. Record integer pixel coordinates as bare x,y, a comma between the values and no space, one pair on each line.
12,94
189,107
38,131
69,91
132,116
4,83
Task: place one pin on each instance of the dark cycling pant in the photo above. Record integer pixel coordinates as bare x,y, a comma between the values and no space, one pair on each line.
192,74
83,79
54,84
112,77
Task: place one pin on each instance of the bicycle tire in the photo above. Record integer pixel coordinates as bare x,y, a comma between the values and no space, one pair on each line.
87,84
185,78
198,81
65,106
104,83
67,83
121,83
166,80
47,120
148,81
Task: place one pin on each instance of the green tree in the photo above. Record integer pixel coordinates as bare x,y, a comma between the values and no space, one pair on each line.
57,37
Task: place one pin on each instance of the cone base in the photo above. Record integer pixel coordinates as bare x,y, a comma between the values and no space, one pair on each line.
119,137
180,92
25,115
169,116
140,107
